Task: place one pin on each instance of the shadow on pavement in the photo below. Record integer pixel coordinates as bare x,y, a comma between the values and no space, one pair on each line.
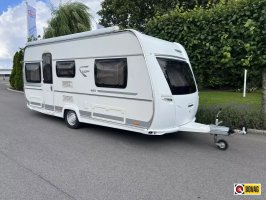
132,138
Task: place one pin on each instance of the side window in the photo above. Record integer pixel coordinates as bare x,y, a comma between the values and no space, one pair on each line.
33,72
47,68
65,69
111,73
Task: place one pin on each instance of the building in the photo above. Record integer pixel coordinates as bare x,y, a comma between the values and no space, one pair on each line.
5,72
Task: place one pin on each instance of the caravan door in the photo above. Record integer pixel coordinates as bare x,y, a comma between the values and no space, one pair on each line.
48,83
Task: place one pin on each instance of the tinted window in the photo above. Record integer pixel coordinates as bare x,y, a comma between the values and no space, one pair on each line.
178,75
33,72
65,69
111,73
47,68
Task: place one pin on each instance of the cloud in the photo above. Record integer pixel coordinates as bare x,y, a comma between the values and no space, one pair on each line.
43,14
13,31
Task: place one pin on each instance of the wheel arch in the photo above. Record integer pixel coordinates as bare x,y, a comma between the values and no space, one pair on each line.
71,107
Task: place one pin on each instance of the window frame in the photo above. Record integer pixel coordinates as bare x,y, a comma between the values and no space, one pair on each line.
125,73
39,68
64,61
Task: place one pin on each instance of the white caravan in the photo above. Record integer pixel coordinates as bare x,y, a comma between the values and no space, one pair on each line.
120,79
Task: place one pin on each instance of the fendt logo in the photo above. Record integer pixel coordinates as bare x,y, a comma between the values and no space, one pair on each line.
84,70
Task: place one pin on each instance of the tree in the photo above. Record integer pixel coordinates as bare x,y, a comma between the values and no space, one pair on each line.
13,72
19,72
221,43
135,14
69,18
16,78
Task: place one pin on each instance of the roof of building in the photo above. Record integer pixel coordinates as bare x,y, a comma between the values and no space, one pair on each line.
5,71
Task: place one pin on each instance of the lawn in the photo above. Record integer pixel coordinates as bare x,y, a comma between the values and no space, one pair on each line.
237,111
224,98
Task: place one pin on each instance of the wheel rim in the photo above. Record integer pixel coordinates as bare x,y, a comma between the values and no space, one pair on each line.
222,145
71,118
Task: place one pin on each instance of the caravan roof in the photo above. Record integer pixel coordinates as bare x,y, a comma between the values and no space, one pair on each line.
149,44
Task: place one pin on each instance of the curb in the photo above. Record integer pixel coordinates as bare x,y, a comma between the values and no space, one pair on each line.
255,131
21,92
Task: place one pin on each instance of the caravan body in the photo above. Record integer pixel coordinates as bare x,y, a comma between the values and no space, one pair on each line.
120,79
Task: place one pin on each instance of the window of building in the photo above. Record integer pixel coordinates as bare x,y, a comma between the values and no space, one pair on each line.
65,69
33,72
111,73
47,68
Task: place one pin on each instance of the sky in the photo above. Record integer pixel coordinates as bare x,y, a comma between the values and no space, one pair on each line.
13,24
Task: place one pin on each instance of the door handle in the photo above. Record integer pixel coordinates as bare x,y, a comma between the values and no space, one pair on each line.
51,87
167,98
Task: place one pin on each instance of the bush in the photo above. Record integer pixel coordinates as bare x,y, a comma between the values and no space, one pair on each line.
19,74
235,116
221,41
16,77
13,72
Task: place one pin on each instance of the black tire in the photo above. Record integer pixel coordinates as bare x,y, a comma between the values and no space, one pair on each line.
222,145
71,119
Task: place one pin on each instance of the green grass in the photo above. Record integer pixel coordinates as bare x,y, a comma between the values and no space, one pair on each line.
237,111
226,98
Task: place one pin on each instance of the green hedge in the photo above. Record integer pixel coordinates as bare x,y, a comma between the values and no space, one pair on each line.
221,41
235,116
16,77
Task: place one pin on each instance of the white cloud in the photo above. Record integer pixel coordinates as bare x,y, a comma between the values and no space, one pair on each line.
43,14
13,32
12,29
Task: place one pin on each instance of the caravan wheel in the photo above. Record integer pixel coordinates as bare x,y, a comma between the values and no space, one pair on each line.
222,145
71,119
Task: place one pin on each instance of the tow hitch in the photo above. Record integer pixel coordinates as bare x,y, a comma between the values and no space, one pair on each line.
216,130
212,129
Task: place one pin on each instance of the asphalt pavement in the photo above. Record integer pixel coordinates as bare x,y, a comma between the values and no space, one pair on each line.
40,158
